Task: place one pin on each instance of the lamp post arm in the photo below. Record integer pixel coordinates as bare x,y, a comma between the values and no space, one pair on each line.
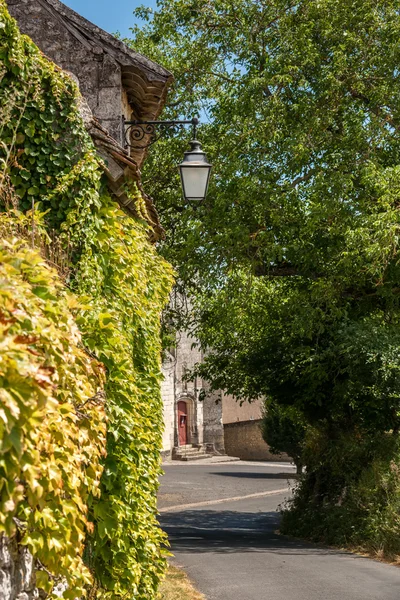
135,132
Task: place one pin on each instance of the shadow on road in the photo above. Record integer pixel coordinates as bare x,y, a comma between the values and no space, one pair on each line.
202,531
249,475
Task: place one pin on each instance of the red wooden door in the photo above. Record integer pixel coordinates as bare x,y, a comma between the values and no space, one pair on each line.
182,423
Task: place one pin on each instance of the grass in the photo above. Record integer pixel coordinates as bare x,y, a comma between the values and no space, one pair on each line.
177,586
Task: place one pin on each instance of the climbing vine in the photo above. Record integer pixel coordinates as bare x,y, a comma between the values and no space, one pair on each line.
119,285
52,419
129,285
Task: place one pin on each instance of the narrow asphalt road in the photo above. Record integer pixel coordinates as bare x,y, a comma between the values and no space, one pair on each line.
231,550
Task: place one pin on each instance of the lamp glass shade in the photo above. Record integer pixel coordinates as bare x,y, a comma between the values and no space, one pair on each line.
195,173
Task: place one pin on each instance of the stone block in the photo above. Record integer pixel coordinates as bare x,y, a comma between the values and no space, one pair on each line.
115,171
5,555
25,571
110,74
114,128
6,587
109,103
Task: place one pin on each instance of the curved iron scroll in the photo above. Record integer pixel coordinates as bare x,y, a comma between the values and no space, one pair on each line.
142,134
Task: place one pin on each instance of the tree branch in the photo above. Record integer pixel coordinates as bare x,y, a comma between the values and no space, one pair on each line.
303,178
378,111
283,270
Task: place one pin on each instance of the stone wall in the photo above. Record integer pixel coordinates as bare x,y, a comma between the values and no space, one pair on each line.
212,420
204,415
98,73
185,357
168,398
17,580
244,440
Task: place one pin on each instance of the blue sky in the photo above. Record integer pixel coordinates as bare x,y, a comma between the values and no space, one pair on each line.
111,15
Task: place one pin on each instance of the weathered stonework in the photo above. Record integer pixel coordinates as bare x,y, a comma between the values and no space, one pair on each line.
17,577
168,398
212,418
244,440
114,80
98,73
204,409
216,421
105,67
242,430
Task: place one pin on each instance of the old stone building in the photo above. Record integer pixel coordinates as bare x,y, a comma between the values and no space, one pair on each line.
199,423
115,82
192,415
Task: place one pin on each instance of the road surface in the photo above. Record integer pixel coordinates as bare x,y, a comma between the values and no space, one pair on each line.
231,548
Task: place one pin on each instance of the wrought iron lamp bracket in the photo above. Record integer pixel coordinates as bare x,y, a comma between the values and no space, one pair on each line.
149,132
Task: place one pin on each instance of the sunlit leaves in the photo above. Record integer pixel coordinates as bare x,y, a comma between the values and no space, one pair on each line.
129,285
48,440
297,244
292,262
300,110
121,286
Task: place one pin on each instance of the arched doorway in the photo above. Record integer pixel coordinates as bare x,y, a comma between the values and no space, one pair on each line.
182,423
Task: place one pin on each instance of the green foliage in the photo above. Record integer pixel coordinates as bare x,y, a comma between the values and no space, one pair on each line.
283,428
301,130
293,261
331,365
45,153
121,285
129,286
52,426
360,505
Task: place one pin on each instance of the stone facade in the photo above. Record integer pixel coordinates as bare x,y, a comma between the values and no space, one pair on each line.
215,420
203,421
244,440
17,580
113,79
212,418
169,408
115,82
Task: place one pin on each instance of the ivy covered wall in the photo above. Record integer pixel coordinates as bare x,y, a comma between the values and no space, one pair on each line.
117,286
52,421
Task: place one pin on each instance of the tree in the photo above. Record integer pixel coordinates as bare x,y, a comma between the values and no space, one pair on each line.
283,429
302,108
293,261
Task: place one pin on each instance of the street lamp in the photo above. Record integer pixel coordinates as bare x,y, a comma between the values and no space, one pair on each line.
195,173
194,170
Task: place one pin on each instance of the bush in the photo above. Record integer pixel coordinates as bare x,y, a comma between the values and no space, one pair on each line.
350,494
284,430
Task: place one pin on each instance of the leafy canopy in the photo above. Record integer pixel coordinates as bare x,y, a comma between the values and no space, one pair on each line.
293,258
302,106
293,261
